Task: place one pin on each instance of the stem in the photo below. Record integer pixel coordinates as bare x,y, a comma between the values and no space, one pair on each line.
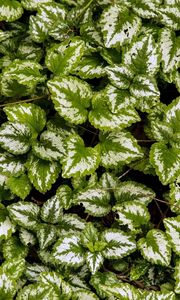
22,101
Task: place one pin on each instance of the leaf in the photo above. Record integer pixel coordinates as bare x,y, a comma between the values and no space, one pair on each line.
172,226
52,210
70,223
95,200
38,291
15,137
10,10
166,295
24,214
30,51
7,228
46,235
34,270
33,4
28,114
155,247
118,25
68,251
119,244
172,115
84,295
139,268
13,249
169,47
79,160
7,286
65,196
26,237
50,147
142,56
94,261
175,197
145,89
166,162
42,173
145,9
122,291
89,236
101,280
102,117
90,67
65,57
169,16
14,267
177,277
120,75
118,148
20,186
71,97
133,214
133,191
10,164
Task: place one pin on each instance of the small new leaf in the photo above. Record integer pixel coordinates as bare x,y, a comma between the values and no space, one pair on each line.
20,185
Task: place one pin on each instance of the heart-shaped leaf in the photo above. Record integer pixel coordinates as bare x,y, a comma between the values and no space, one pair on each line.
172,226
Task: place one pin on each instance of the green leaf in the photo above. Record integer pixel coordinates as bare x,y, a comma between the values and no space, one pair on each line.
139,268
169,49
52,209
33,4
24,214
90,67
118,148
102,117
38,291
177,277
15,137
7,286
120,75
95,200
13,249
71,97
46,235
7,228
50,146
166,162
64,195
14,267
169,15
172,226
89,236
94,261
20,186
42,173
79,160
119,244
142,56
10,10
10,164
133,191
133,214
65,57
119,26
68,251
28,114
155,247
145,89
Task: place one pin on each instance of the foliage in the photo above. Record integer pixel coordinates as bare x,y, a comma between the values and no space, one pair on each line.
89,150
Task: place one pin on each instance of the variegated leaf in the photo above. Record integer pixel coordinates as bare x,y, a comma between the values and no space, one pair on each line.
162,295
119,244
30,51
10,10
7,228
84,295
169,49
95,200
145,9
79,160
172,116
172,226
108,181
24,214
90,236
65,196
103,118
14,267
65,57
20,185
34,270
120,75
71,97
26,237
169,15
118,25
133,214
11,165
50,146
70,223
177,277
133,191
100,280
123,291
155,247
142,56
42,173
175,197
67,250
33,4
51,211
15,137
28,114
38,291
166,162
118,148
7,286
13,249
38,29
46,235
94,261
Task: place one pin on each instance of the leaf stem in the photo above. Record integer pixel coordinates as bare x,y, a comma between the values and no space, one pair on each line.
22,101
